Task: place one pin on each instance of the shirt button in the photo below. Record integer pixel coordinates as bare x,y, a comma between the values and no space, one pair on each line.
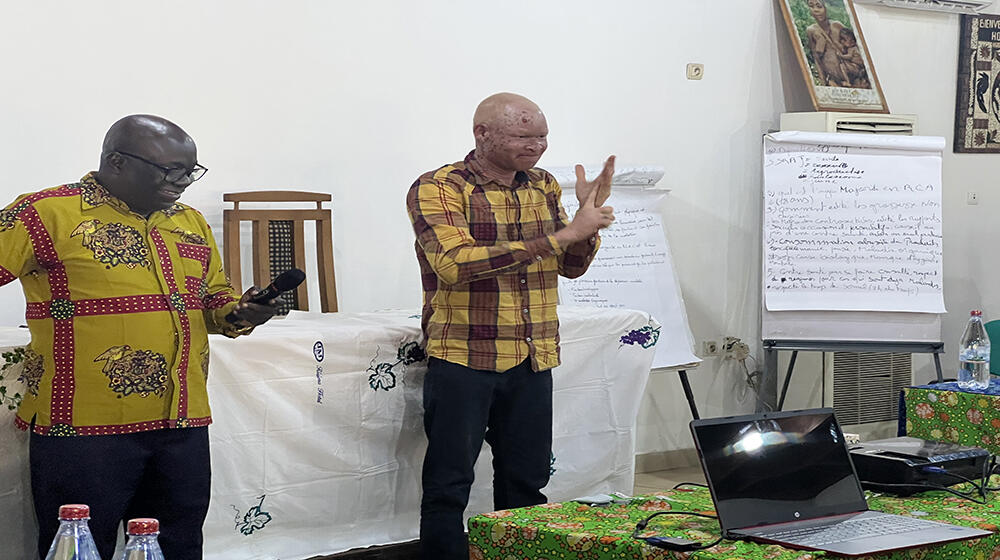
525,310
523,281
527,339
538,257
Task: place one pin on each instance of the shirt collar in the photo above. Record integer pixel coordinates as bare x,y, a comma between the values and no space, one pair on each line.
94,194
483,177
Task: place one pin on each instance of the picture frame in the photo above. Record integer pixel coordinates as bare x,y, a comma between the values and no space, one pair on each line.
977,104
833,56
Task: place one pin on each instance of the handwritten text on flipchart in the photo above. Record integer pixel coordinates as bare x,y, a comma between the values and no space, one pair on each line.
850,227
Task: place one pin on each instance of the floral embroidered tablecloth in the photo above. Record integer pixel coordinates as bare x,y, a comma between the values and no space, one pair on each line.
318,434
572,531
944,412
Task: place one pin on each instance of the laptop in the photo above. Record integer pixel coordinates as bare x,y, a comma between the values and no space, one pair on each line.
786,478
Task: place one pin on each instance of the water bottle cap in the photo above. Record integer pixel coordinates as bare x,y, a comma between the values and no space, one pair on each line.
74,511
976,313
143,526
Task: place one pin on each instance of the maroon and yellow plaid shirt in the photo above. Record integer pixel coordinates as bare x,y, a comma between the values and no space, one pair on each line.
490,265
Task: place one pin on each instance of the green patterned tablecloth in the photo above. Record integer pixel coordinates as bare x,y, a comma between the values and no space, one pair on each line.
949,415
571,531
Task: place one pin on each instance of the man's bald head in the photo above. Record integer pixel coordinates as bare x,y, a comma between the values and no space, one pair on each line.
137,131
510,132
500,106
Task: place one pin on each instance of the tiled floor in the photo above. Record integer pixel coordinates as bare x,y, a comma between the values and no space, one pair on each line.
649,483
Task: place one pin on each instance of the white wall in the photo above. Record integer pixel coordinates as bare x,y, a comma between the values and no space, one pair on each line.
358,98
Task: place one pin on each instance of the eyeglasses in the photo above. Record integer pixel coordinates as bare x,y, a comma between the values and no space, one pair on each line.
172,174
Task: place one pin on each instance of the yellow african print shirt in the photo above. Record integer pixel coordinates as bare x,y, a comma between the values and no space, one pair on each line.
490,265
119,308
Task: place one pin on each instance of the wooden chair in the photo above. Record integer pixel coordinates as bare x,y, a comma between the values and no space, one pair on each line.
279,243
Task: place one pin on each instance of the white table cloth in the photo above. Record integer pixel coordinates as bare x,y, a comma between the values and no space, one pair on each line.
18,530
317,438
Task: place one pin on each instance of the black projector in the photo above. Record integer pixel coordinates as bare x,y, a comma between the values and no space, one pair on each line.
915,463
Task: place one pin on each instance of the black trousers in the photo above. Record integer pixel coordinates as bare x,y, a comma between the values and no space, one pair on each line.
462,406
164,474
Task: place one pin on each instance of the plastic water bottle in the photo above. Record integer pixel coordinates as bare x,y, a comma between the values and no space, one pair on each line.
142,544
73,539
974,354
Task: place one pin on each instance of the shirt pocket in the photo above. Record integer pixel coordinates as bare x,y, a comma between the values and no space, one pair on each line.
483,220
537,218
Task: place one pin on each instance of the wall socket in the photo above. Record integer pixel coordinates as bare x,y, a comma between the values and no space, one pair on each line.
695,71
734,349
709,348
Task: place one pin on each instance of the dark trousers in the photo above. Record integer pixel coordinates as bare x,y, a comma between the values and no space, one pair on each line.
462,406
164,474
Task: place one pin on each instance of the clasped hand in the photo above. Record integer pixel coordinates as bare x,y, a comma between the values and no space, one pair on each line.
593,215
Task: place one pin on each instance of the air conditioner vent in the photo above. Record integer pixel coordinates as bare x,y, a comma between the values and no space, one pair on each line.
866,385
861,127
855,123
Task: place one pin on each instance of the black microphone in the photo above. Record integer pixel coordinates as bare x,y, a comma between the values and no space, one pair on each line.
284,282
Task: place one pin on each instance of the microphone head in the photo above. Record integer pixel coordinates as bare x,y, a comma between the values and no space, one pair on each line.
288,280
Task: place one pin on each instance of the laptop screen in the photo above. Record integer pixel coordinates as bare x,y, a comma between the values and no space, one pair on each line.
777,467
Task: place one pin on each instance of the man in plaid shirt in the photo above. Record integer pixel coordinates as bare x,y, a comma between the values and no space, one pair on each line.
492,239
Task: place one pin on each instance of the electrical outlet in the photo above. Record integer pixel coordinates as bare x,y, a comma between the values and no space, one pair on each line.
972,197
695,71
734,349
709,348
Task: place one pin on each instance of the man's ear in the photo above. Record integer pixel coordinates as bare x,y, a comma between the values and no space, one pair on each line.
480,132
115,161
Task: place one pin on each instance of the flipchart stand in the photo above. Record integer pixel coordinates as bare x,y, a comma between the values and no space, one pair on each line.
681,372
769,381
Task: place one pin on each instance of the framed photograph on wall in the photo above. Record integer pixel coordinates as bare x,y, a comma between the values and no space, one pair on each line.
833,56
977,105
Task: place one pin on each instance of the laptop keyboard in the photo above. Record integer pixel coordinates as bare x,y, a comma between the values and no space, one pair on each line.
849,530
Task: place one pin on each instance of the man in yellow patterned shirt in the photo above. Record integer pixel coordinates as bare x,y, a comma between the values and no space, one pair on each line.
123,285
492,239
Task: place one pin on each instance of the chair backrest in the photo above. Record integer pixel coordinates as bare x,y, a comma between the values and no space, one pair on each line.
279,242
993,331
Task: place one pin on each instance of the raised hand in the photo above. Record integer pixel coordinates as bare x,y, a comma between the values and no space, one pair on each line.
601,184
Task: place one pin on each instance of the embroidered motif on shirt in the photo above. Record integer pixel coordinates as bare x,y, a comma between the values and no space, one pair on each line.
62,309
31,374
114,243
141,372
190,237
204,362
62,430
92,193
173,210
8,216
